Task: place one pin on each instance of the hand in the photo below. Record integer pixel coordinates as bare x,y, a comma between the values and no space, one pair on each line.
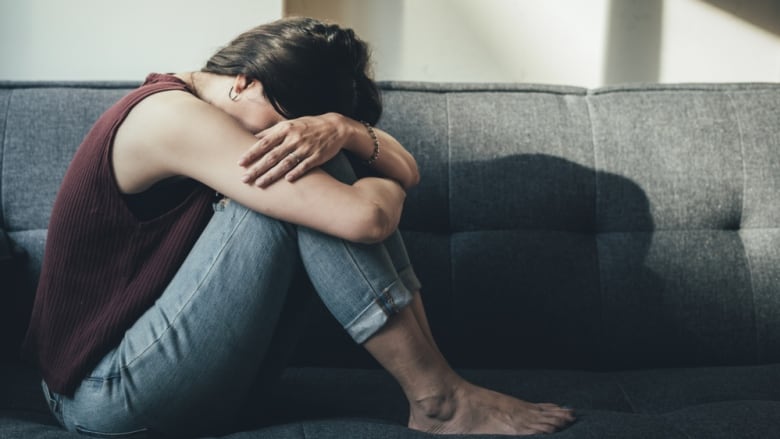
293,147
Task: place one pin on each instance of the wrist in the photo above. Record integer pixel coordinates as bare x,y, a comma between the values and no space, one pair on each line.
361,140
346,129
375,142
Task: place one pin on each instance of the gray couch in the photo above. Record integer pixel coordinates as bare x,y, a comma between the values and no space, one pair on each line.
614,250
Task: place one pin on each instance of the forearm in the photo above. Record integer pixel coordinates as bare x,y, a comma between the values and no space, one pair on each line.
367,211
393,160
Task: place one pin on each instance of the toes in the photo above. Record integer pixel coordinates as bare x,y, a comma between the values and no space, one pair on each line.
558,410
542,428
557,419
548,408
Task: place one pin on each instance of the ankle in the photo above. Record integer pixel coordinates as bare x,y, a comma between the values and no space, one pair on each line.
437,405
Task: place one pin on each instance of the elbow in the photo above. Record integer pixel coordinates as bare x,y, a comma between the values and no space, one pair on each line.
413,178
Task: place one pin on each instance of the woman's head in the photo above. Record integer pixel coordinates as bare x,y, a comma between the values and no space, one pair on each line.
306,67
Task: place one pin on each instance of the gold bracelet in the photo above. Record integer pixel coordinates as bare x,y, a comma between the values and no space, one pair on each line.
374,155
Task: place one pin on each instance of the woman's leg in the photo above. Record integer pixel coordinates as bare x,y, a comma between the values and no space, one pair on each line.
441,401
186,364
397,250
401,341
397,336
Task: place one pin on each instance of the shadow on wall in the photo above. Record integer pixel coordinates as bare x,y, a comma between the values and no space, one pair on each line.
633,52
762,13
635,27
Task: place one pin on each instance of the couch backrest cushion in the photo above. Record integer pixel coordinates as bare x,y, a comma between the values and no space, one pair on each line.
42,125
614,228
554,226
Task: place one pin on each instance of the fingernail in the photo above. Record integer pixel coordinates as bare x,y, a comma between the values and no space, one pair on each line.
245,178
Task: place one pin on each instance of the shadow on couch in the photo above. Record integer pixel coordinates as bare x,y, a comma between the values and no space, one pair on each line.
573,241
551,228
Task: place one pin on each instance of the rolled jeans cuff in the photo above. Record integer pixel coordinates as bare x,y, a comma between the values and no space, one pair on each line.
392,299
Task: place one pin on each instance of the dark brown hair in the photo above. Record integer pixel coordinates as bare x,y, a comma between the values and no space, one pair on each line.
306,67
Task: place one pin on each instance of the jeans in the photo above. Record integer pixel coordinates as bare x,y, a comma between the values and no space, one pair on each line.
187,364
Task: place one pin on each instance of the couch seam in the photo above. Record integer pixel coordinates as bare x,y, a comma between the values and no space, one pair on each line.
105,85
476,87
681,86
2,156
449,159
596,232
742,157
588,106
450,233
587,232
619,381
748,261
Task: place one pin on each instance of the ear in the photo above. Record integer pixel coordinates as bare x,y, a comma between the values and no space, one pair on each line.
240,83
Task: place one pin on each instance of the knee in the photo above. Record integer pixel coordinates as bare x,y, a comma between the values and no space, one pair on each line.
340,168
252,226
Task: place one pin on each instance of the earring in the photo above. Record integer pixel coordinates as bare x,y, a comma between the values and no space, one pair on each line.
230,95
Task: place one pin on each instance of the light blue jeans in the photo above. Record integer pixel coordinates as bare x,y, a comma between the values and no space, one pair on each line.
187,365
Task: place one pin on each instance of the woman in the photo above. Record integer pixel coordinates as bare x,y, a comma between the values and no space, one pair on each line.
154,311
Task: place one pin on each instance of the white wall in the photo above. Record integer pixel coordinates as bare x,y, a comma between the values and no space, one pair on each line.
721,40
587,43
479,40
118,40
577,42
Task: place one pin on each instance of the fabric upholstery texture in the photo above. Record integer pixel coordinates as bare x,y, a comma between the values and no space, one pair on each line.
615,250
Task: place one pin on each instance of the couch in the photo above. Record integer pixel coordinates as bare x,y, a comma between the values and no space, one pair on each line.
614,250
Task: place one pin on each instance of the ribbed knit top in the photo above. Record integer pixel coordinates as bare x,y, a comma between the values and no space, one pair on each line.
104,263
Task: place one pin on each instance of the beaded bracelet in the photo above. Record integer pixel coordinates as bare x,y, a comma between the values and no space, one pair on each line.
374,155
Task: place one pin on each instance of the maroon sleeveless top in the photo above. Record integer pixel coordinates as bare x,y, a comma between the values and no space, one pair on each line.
107,259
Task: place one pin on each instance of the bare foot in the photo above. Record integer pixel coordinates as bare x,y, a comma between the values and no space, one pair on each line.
469,409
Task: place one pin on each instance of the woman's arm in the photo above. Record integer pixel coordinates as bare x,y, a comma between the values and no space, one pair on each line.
315,140
392,160
174,133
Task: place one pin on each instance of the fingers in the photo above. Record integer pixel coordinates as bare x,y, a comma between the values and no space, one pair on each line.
262,156
289,149
270,158
265,142
303,167
289,161
262,176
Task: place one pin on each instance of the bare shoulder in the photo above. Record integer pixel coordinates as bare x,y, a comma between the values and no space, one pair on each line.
159,116
162,128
